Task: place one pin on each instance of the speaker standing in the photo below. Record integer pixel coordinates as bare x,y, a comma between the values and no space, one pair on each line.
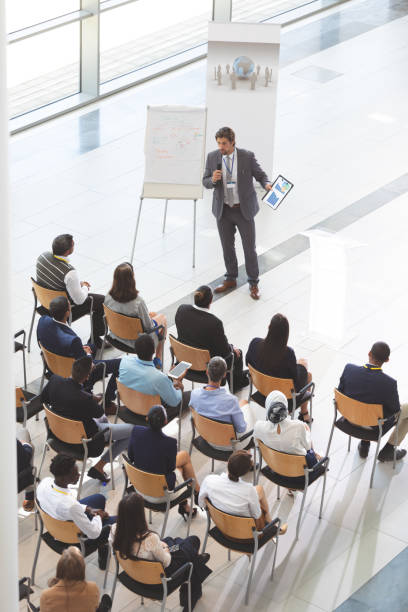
230,172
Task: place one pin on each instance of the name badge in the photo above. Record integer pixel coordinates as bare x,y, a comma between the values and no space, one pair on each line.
231,184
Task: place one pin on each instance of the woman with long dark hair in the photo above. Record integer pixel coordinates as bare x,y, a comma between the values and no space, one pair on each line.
69,591
272,356
132,539
124,298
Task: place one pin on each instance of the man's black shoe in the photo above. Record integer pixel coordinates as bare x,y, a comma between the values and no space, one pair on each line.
387,453
106,604
363,448
103,552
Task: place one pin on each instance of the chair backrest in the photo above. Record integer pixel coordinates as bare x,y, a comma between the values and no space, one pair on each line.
57,363
284,464
145,483
66,430
63,531
44,295
236,527
19,397
198,358
356,412
141,570
213,432
123,326
265,384
137,402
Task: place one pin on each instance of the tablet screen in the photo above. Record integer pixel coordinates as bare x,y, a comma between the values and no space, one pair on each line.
279,191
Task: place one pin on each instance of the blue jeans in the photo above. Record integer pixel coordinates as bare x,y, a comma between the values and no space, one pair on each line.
98,502
120,436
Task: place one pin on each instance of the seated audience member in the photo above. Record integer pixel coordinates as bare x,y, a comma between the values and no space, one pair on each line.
125,299
58,337
54,271
152,451
25,455
69,399
229,493
60,502
69,591
280,432
215,402
140,374
370,385
272,356
132,539
198,327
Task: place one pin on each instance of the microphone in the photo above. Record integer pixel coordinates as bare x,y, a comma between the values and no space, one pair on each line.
219,167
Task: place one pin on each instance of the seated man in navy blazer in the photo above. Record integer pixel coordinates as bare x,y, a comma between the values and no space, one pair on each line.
370,385
55,335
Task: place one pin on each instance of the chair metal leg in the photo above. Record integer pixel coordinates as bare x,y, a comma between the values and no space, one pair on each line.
190,515
32,325
37,552
42,460
349,444
377,450
42,379
278,494
300,513
206,532
330,440
115,579
251,571
229,554
111,461
142,601
81,479
166,516
276,551
212,465
323,490
150,516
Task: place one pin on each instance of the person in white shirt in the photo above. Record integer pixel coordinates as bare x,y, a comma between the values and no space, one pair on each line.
279,431
229,493
54,271
59,501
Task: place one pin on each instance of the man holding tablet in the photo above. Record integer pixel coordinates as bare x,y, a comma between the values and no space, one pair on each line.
230,172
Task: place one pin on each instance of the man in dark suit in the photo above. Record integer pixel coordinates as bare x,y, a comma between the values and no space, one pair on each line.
58,337
230,172
370,385
198,327
69,399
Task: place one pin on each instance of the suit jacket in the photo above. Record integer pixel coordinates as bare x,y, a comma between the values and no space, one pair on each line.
248,169
372,386
153,451
202,330
59,338
70,400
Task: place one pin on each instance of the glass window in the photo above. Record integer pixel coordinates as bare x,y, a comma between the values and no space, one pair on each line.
242,10
146,31
43,69
24,13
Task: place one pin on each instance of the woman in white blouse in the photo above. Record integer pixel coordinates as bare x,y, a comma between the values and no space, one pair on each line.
132,539
124,298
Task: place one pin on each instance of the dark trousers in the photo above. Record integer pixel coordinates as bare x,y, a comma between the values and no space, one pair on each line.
112,367
173,411
98,502
188,552
78,310
240,380
230,220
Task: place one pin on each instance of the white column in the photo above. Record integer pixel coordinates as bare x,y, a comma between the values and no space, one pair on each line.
89,60
8,468
222,10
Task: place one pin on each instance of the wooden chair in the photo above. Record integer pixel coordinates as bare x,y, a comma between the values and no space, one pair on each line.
265,384
68,436
239,533
58,536
214,433
134,406
155,485
125,327
21,346
198,358
148,579
291,471
356,418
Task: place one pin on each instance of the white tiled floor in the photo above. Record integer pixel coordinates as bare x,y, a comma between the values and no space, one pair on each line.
338,141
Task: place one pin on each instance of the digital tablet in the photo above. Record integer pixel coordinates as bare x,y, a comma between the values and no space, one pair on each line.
179,369
279,191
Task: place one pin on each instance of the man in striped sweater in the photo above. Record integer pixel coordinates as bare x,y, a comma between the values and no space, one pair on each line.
54,271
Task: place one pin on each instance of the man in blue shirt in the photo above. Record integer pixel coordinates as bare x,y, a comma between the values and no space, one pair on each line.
140,373
215,402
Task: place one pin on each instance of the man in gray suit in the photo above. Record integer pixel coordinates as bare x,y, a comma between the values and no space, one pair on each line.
230,172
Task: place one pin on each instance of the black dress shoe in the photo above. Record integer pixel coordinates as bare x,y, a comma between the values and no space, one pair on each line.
94,473
363,448
204,558
387,453
103,552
